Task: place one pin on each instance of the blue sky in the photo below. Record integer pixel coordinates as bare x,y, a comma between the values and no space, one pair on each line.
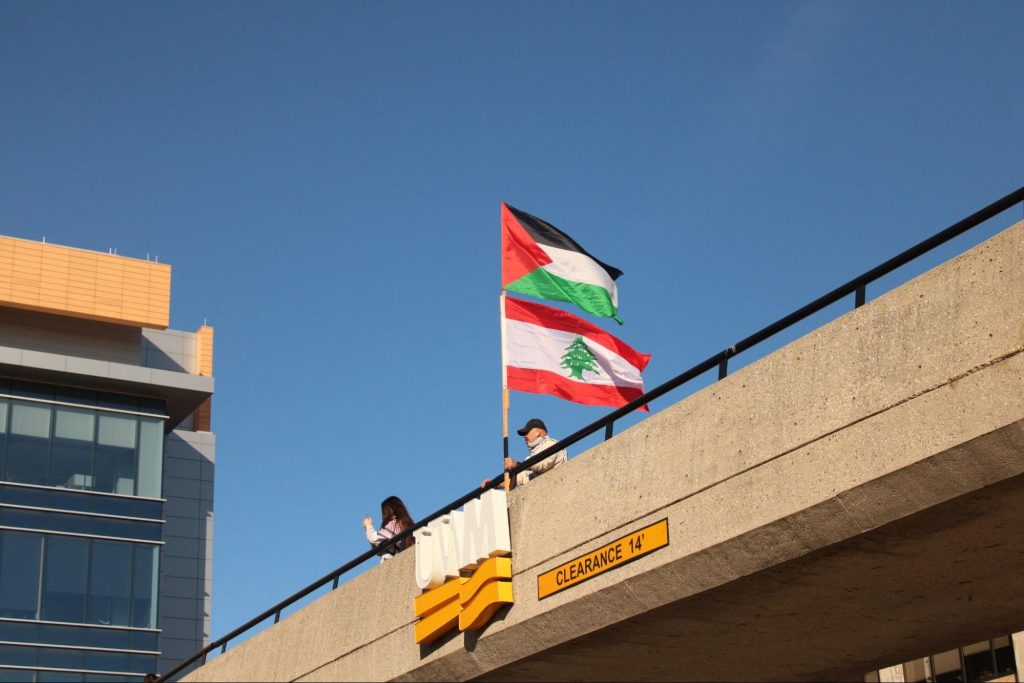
325,179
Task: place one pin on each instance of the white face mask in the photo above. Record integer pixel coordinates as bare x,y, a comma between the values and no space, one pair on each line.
535,443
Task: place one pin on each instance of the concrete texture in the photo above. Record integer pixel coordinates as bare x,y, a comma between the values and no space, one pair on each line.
844,504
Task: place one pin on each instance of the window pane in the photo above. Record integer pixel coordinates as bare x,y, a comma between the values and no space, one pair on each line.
116,430
71,450
1005,663
62,635
151,455
29,419
20,557
109,637
60,659
144,586
109,583
106,661
143,640
28,446
142,663
15,676
16,655
14,632
915,671
4,412
64,580
947,667
115,455
978,662
57,677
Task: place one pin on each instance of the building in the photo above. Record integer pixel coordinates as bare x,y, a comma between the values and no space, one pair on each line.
106,468
996,660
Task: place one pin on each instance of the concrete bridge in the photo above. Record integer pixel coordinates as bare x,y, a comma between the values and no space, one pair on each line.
851,501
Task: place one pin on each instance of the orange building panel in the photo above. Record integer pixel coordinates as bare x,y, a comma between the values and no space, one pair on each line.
84,284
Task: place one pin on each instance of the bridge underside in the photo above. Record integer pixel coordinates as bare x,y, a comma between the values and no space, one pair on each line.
927,583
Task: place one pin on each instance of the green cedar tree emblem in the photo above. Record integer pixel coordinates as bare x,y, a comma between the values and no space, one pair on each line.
578,357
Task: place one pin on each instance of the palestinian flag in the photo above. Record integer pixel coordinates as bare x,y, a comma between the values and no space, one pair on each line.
550,351
540,260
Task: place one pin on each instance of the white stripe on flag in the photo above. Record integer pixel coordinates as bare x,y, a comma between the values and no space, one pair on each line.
577,267
538,348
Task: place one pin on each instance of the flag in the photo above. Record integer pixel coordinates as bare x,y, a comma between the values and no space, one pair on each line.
540,260
550,351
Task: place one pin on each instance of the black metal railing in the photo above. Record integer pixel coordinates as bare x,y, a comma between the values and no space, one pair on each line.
720,360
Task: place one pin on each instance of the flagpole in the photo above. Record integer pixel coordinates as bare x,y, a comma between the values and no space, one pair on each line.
504,389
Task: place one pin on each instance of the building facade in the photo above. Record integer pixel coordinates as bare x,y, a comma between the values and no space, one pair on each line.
106,469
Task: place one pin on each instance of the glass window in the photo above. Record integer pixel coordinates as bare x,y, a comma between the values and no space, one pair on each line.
106,661
143,640
58,677
62,635
28,446
947,667
1005,663
20,560
59,658
64,579
14,632
30,519
145,578
142,663
915,671
109,637
83,397
151,455
4,411
978,664
115,455
110,575
16,655
15,676
32,390
71,451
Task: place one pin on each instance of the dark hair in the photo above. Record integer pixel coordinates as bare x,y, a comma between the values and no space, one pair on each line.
391,508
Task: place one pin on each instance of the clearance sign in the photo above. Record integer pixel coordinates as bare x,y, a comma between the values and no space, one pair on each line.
610,556
473,541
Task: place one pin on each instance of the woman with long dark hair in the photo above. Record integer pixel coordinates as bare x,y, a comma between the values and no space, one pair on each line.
394,519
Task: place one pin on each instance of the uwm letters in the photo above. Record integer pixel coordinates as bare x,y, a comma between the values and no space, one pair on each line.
463,563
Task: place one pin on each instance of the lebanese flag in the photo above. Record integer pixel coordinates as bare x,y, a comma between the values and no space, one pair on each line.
550,351
540,260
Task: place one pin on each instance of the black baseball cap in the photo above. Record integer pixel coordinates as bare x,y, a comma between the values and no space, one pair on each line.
530,424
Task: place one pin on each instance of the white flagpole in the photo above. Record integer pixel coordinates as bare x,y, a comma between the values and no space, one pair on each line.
504,389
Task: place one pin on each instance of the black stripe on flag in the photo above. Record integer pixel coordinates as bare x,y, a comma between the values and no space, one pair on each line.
543,232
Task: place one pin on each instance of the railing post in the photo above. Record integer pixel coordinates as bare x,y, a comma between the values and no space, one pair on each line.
277,616
862,294
608,430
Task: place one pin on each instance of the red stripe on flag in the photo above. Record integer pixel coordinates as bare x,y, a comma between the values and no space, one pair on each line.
557,319
520,254
545,382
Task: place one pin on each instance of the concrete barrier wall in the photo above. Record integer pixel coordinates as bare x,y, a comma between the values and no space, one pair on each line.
894,408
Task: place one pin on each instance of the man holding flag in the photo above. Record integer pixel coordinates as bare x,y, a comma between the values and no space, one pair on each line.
535,434
549,351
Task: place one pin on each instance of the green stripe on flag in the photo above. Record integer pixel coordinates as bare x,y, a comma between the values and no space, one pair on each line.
543,285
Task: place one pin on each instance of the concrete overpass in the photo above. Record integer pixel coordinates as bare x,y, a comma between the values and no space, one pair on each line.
851,501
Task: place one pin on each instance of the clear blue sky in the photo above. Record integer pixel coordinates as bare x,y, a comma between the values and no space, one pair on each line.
325,179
